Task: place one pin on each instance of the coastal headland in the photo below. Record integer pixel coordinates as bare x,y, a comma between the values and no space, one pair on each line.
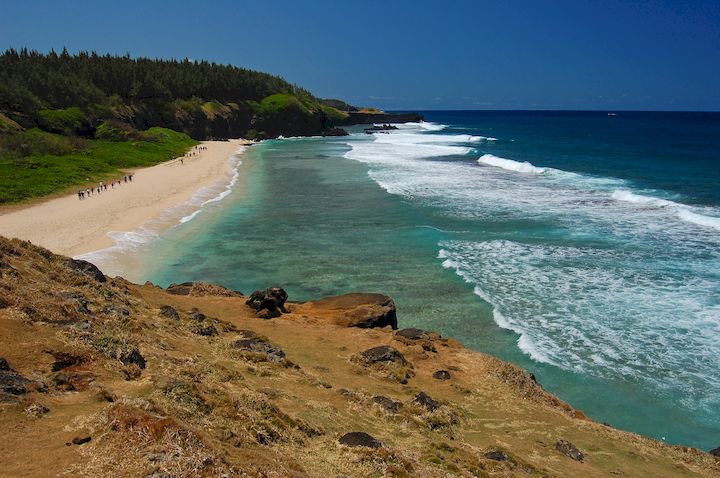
101,376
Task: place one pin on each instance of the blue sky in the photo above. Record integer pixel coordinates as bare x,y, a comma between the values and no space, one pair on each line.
657,55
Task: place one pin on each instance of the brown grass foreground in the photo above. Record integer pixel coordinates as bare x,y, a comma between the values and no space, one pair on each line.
102,380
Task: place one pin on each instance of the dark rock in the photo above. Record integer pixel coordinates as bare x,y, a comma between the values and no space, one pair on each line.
180,289
569,450
273,353
207,330
496,455
384,353
715,452
424,400
169,312
13,384
116,310
133,357
359,439
80,440
442,375
412,333
335,132
197,316
273,299
87,268
390,405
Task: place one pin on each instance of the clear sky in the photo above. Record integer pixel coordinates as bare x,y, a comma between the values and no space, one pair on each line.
576,54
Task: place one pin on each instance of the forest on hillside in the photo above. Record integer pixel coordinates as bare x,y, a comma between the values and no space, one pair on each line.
87,94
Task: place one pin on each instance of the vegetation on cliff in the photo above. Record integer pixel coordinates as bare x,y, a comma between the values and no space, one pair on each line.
67,118
101,377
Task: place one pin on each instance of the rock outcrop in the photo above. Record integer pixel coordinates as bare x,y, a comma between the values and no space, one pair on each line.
86,268
359,439
361,310
268,303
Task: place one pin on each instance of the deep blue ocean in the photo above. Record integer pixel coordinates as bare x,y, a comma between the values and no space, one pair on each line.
581,246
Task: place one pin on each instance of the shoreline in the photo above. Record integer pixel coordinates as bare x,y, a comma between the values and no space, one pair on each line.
77,227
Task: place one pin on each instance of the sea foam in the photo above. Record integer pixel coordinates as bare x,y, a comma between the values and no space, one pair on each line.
681,211
510,165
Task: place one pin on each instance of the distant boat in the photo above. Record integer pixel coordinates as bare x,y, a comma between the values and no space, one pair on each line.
612,114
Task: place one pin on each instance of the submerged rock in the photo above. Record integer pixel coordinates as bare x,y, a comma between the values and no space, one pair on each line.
360,439
87,268
569,450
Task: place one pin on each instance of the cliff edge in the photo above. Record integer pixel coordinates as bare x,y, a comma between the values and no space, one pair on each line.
101,377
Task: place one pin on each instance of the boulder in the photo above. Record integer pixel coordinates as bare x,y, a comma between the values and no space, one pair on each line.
496,455
269,302
257,345
569,450
79,440
412,333
441,375
424,400
359,310
133,357
197,316
86,268
359,439
387,403
384,353
169,312
13,384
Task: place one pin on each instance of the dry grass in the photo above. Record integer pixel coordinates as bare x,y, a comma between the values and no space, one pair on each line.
197,406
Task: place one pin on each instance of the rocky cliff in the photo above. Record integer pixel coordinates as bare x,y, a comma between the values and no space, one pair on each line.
101,377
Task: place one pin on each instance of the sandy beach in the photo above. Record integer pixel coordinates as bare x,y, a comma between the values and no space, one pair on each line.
70,226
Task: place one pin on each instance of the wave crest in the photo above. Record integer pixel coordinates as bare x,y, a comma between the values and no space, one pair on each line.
510,165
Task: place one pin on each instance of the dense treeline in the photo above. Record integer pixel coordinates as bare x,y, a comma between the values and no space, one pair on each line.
75,94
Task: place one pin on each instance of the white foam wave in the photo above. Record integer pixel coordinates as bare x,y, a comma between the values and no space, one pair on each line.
425,125
639,321
517,166
681,211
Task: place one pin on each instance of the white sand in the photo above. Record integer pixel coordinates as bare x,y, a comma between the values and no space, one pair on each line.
70,226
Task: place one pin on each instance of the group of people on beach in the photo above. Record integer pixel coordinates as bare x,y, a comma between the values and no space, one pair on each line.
86,193
195,152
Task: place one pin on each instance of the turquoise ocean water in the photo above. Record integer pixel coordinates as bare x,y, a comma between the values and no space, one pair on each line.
580,246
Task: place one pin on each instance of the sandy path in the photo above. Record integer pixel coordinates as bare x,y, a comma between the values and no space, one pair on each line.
70,226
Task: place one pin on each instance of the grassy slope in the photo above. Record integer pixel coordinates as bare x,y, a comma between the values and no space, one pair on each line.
41,174
202,408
